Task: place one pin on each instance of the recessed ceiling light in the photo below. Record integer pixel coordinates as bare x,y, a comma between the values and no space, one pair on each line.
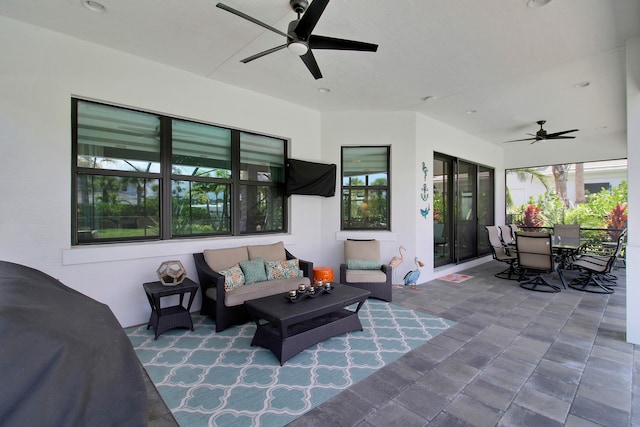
582,84
472,111
94,6
537,3
324,90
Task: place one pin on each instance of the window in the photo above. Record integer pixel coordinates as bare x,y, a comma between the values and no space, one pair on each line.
143,176
365,188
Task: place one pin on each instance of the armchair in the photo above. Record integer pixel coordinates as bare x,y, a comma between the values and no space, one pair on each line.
362,268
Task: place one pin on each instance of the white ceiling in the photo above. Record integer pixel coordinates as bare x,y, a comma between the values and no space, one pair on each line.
510,63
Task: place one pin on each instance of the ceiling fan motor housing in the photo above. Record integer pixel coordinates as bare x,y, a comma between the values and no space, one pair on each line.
299,6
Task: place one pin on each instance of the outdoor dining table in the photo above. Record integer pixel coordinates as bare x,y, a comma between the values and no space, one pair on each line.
565,248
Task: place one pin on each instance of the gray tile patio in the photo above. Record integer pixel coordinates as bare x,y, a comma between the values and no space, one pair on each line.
515,358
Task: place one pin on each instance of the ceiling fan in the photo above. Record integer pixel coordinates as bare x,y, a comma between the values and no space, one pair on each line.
299,38
542,134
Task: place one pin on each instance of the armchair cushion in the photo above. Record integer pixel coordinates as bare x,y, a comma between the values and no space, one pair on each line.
366,276
363,264
362,250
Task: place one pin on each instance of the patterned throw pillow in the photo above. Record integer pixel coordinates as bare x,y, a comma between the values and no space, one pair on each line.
233,278
253,271
363,264
283,269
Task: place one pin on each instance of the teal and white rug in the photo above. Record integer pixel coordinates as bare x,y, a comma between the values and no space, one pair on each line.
218,379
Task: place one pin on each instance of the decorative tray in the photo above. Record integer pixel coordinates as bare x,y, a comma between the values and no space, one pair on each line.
306,294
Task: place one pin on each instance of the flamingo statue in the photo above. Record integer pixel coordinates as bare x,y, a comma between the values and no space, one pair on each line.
411,278
396,261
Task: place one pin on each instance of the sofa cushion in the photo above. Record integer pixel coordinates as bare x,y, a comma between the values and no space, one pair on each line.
366,276
233,277
221,259
273,252
363,264
283,269
253,271
239,295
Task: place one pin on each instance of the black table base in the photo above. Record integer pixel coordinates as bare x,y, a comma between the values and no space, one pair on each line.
288,328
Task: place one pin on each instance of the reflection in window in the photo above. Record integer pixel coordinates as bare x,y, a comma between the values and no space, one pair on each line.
365,188
144,176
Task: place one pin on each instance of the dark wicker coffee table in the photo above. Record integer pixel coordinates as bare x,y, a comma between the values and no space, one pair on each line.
287,328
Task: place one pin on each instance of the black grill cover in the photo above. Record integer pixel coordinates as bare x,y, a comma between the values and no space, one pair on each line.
64,358
312,179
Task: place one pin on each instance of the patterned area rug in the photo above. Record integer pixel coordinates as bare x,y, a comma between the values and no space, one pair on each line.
455,278
208,378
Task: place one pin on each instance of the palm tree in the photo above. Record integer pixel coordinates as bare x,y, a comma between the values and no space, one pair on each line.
524,174
560,176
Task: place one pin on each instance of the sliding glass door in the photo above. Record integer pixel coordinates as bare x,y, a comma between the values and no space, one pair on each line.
463,204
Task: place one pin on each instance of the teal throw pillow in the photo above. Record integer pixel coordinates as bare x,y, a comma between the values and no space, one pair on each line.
253,271
363,264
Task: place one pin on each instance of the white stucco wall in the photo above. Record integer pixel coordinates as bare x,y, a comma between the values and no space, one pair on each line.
414,138
633,224
39,73
371,128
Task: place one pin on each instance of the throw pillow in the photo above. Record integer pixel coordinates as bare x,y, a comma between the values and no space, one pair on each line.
233,278
253,271
283,269
363,264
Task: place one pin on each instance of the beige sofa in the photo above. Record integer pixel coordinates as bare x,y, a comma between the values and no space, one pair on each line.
227,306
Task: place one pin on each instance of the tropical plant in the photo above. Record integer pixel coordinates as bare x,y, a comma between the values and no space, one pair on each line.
531,217
617,220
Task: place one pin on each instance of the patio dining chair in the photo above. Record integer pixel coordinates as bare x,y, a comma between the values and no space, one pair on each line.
597,269
535,257
508,234
501,252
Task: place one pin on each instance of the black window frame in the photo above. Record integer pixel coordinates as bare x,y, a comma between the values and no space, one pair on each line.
166,177
347,224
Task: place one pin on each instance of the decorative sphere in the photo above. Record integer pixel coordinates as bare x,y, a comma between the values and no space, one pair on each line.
171,273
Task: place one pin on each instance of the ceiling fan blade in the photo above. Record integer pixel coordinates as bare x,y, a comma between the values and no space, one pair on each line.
251,19
310,61
322,42
261,54
561,137
518,140
555,134
310,18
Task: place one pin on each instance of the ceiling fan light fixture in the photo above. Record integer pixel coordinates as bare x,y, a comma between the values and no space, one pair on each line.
94,6
537,3
583,84
298,47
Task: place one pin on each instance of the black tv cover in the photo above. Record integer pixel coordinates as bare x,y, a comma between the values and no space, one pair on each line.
312,179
